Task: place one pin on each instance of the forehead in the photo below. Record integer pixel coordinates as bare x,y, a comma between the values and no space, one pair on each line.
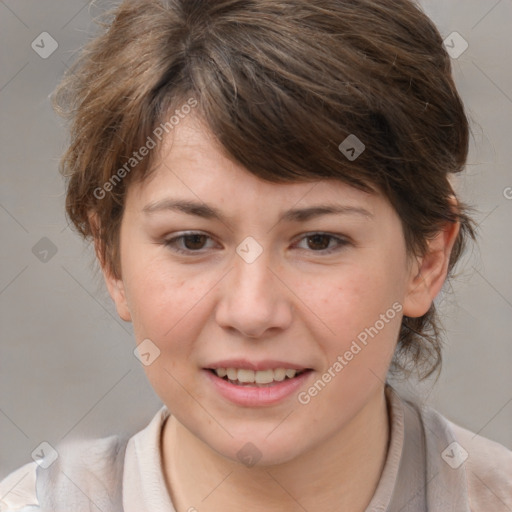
192,165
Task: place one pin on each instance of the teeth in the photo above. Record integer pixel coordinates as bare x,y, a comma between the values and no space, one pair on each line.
221,372
263,377
259,377
280,374
245,375
290,373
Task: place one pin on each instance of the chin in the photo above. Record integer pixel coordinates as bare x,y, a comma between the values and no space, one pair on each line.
256,451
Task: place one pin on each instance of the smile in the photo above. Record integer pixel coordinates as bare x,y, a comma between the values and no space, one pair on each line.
262,378
256,388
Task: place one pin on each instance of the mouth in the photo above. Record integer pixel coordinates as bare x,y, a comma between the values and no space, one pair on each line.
245,377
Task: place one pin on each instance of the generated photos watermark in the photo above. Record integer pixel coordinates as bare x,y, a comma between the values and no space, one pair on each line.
143,151
304,397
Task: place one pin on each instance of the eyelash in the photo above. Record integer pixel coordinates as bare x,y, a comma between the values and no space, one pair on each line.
170,243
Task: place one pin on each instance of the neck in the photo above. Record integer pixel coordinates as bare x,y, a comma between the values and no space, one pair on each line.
340,474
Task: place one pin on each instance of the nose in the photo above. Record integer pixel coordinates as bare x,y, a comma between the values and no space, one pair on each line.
254,299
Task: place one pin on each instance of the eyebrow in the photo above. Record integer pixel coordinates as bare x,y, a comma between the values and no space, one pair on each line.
210,212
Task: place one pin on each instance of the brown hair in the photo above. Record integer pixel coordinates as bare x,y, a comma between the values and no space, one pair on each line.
280,84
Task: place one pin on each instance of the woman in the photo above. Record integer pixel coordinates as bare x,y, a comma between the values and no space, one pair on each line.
267,185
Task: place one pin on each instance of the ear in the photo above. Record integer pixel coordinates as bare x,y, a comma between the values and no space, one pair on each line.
115,285
116,290
428,273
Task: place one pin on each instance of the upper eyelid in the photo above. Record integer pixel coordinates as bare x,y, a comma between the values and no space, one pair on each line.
341,239
302,235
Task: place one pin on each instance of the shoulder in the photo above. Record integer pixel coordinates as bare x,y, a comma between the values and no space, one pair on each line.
488,470
95,464
77,469
487,465
18,490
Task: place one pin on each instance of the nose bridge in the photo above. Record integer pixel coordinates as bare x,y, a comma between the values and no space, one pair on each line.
252,275
252,262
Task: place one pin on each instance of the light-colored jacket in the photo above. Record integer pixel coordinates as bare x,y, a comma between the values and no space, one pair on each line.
432,465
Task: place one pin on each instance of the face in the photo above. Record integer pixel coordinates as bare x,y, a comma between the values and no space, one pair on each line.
257,276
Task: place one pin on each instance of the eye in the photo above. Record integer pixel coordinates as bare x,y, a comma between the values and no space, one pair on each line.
320,242
193,242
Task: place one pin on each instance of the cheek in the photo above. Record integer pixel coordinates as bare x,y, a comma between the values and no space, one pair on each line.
160,298
164,304
360,311
348,302
168,310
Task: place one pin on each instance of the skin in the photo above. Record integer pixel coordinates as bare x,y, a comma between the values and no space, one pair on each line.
293,303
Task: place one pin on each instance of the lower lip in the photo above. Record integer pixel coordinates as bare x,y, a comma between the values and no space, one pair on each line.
252,396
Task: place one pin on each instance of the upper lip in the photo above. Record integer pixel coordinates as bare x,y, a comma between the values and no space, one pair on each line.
266,364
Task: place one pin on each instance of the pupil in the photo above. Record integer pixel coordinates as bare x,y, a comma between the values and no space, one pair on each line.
316,238
195,239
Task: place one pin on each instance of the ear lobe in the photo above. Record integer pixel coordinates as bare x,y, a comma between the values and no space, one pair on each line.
429,273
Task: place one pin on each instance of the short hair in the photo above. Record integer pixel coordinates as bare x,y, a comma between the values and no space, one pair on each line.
280,84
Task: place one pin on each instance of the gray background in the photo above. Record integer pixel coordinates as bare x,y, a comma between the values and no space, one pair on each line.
66,364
